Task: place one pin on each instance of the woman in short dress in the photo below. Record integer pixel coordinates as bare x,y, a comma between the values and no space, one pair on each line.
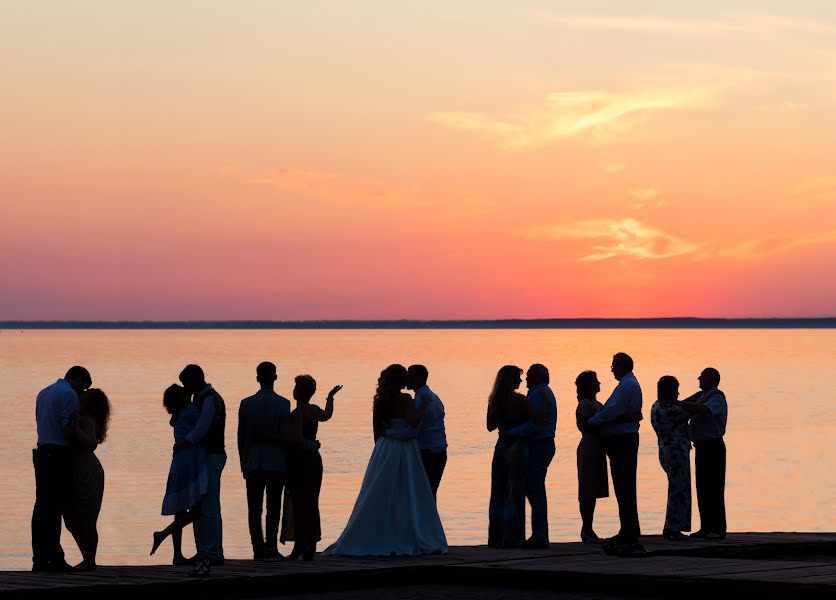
89,429
592,460
187,478
670,421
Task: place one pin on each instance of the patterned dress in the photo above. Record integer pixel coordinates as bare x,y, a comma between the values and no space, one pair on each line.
670,421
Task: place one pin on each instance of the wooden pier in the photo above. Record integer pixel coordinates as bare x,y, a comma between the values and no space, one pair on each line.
770,565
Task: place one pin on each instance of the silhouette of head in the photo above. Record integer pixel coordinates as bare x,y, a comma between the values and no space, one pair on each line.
94,404
193,379
304,389
709,378
175,398
78,378
417,377
389,385
622,364
536,375
668,388
507,380
587,385
265,373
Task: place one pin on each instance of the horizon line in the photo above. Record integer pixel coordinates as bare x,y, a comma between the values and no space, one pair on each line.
547,323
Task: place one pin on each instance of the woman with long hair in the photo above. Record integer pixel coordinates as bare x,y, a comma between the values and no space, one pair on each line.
592,460
187,478
507,409
395,512
88,430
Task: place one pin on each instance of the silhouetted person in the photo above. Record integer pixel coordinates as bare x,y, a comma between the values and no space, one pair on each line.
54,410
507,409
208,529
305,467
539,430
708,426
670,421
621,443
395,512
432,439
593,482
89,429
187,478
262,419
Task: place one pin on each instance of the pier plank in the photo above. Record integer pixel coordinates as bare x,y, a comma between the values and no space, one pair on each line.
570,565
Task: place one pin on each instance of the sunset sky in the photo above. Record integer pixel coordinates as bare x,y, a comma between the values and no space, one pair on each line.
174,160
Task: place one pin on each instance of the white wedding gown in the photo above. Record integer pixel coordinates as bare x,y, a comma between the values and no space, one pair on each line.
395,512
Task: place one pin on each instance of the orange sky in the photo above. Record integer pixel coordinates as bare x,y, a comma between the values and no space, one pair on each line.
457,160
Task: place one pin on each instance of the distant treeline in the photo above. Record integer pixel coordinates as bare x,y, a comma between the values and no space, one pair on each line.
667,323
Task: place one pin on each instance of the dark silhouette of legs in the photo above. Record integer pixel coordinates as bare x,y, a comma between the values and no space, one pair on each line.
587,509
175,530
622,451
540,457
51,489
710,467
434,463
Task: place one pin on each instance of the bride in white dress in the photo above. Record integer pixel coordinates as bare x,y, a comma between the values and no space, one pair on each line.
395,512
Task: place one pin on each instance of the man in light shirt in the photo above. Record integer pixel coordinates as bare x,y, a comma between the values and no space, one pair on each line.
432,439
620,436
708,426
54,410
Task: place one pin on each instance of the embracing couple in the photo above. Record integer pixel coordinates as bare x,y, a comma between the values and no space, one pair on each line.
395,512
523,453
72,420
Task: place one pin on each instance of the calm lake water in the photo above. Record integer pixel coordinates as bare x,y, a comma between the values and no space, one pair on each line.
781,430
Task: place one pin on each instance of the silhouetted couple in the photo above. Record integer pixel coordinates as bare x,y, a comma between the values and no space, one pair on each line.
522,455
72,420
279,450
700,418
617,423
198,416
395,512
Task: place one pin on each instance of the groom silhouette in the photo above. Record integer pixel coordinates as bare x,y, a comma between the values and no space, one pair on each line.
432,439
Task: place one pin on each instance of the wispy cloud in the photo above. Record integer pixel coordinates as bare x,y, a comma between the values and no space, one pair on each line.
633,239
755,250
570,114
625,238
652,24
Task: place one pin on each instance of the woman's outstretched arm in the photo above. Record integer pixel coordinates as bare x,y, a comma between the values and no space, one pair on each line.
329,404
